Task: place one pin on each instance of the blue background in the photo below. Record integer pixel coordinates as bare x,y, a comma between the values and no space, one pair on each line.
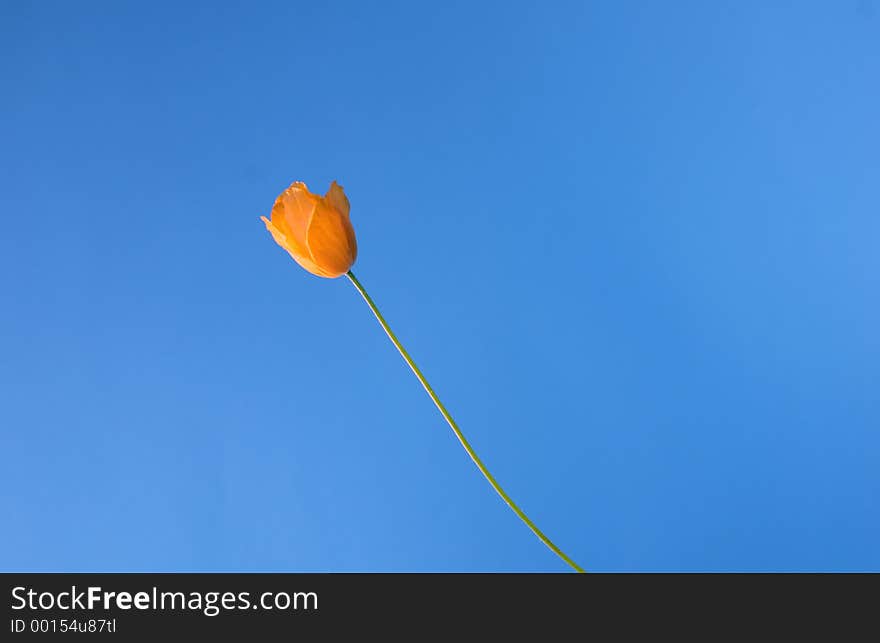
633,245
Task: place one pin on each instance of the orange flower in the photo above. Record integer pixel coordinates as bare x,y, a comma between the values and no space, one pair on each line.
315,230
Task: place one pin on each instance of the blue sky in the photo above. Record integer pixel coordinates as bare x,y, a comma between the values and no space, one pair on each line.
633,245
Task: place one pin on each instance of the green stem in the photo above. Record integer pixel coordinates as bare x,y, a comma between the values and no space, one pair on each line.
454,426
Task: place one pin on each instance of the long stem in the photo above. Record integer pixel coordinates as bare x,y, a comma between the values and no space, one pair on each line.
454,426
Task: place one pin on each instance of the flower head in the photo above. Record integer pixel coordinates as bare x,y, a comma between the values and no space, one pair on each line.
315,230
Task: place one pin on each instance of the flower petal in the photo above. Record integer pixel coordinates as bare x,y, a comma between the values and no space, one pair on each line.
336,198
330,240
299,254
295,206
